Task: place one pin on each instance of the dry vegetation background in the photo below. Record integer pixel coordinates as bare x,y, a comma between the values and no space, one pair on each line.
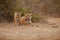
47,11
41,7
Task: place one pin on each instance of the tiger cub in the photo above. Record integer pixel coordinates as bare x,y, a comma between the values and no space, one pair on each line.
17,17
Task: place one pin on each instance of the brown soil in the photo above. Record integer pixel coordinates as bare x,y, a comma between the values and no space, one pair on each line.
50,31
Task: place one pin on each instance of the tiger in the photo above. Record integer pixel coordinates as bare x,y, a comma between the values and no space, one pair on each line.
17,16
27,20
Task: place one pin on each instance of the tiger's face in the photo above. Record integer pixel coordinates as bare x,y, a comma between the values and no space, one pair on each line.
25,19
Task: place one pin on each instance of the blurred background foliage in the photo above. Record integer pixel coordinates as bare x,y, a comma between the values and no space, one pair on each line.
39,8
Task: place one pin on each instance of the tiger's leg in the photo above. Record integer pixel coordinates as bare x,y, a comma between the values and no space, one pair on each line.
30,22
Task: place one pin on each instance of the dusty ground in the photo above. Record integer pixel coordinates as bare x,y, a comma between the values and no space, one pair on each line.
50,31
